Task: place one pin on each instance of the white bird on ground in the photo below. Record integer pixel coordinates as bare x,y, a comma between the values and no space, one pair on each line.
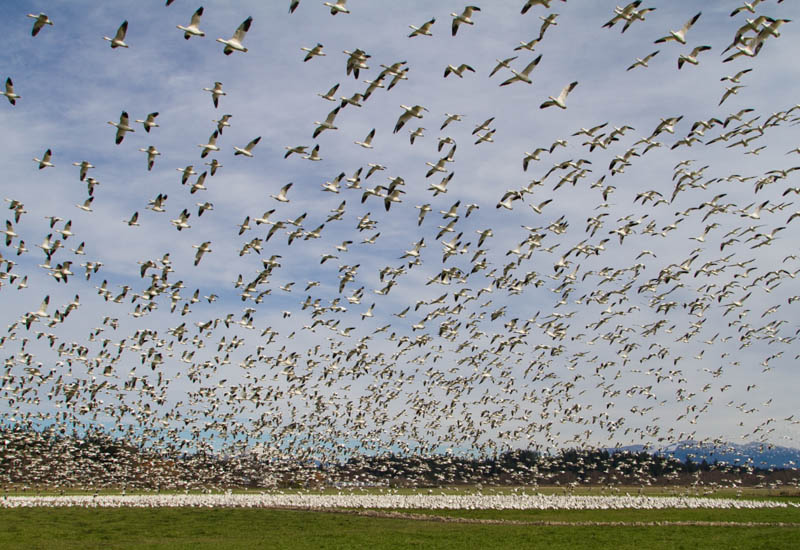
193,28
9,93
680,35
41,21
149,122
235,42
45,161
247,151
561,99
119,39
122,126
464,17
216,92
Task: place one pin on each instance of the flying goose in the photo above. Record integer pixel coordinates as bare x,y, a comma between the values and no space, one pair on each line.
41,21
367,143
680,35
149,122
45,161
122,126
119,39
193,29
458,71
524,75
423,30
464,17
338,7
562,97
216,92
9,93
235,42
642,62
692,57
152,152
247,151
210,146
281,196
415,111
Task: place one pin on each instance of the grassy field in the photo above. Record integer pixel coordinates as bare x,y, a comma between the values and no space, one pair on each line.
163,528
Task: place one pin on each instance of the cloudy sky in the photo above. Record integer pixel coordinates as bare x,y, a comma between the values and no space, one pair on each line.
647,298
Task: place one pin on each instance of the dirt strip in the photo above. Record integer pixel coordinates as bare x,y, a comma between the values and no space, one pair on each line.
543,523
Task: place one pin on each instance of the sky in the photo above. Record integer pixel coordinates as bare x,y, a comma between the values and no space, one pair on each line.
639,291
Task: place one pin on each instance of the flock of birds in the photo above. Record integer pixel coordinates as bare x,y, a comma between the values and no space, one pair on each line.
521,333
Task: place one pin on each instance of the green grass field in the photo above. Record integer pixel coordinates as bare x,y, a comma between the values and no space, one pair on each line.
163,528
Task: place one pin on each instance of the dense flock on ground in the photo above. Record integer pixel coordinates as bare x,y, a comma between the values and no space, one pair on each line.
535,225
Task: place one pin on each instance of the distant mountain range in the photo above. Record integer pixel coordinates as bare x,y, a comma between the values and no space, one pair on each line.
758,455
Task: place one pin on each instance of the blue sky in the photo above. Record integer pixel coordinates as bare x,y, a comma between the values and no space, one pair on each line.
628,367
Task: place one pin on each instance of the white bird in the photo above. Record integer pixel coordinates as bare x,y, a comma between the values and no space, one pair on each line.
201,249
223,123
45,161
423,30
464,17
524,75
210,146
9,93
367,143
331,94
152,153
692,57
326,124
642,62
41,21
502,63
149,122
216,92
122,126
181,221
247,151
415,111
119,39
186,172
314,155
680,35
562,97
530,3
458,71
133,221
193,28
338,7
281,196
235,42
84,166
313,52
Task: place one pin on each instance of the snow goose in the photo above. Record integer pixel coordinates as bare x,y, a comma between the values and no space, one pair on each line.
235,42
216,92
9,93
464,17
458,71
122,126
561,99
210,146
45,161
149,122
247,151
423,30
338,7
367,143
84,166
524,75
680,35
222,123
642,62
281,196
692,57
152,153
193,28
41,21
119,39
